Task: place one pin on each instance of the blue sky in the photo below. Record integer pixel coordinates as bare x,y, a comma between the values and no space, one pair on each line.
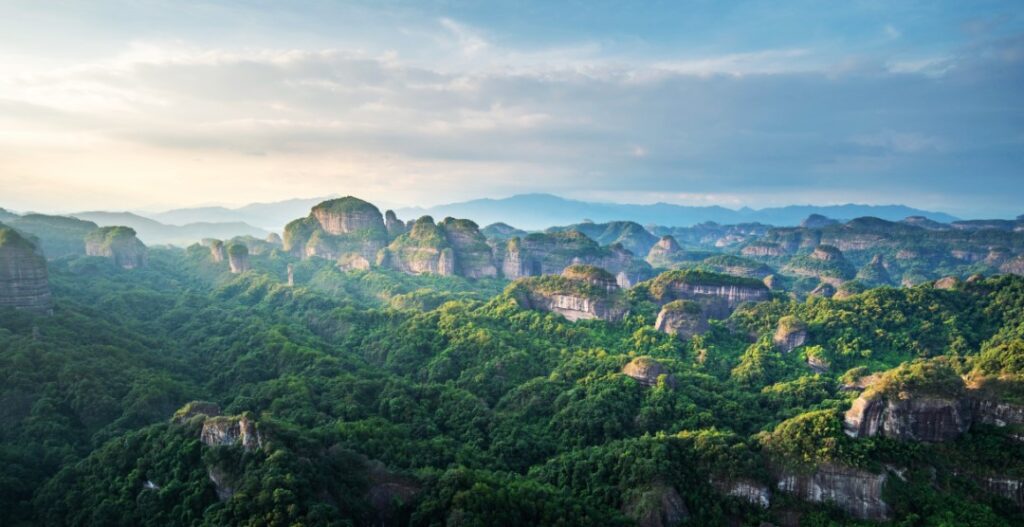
150,105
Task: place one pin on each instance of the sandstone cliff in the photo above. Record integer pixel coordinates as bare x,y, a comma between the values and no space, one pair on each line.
24,282
117,243
394,226
238,430
921,401
550,253
574,296
238,258
646,371
473,257
718,294
855,491
790,334
683,318
217,250
423,250
338,228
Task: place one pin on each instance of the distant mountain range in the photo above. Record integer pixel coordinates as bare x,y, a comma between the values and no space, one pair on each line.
270,216
538,211
153,232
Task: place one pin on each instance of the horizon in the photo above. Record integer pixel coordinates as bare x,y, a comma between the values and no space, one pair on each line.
411,103
236,207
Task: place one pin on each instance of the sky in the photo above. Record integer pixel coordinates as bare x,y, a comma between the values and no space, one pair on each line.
152,105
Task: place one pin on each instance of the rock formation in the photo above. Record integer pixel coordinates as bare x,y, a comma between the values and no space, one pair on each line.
659,506
752,492
916,401
718,294
424,249
550,253
336,228
238,258
646,371
737,266
855,491
632,236
231,430
24,282
790,334
683,318
217,249
1014,266
874,273
763,249
117,243
824,290
473,256
576,296
947,283
394,226
665,252
825,263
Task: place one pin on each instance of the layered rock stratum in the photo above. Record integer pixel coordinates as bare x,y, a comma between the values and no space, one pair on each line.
24,280
118,244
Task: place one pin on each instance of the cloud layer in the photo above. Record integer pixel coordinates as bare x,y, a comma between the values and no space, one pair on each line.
457,114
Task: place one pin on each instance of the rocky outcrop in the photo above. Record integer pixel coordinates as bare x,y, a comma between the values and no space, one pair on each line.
223,482
791,333
118,244
550,253
1007,487
573,296
238,258
238,430
764,250
338,228
994,412
394,226
947,283
855,491
24,282
916,401
217,250
630,235
874,273
646,371
683,318
718,294
473,256
824,290
752,492
422,250
1014,266
659,506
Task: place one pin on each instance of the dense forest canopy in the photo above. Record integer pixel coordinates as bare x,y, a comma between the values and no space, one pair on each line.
181,393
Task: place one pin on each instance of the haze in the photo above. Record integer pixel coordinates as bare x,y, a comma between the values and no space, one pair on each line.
155,105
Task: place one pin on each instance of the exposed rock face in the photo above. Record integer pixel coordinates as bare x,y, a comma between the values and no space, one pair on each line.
223,483
231,430
856,491
668,253
1014,266
348,215
825,290
395,226
763,249
291,275
646,371
217,250
592,275
1009,488
790,334
682,318
337,228
24,282
549,253
117,243
424,249
661,506
997,413
875,273
947,283
238,258
275,240
576,297
718,294
750,491
473,257
925,418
